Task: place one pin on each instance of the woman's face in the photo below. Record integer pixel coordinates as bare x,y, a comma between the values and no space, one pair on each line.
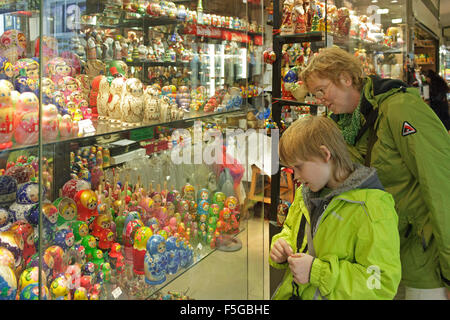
338,99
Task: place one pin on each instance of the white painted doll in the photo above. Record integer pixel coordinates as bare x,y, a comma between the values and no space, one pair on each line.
133,102
151,105
102,98
114,106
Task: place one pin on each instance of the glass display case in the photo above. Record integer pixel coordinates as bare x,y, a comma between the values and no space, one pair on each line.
123,152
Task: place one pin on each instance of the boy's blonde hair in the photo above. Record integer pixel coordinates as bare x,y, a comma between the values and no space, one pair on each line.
303,138
331,63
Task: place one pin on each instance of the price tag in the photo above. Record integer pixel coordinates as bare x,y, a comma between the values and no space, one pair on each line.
116,292
85,126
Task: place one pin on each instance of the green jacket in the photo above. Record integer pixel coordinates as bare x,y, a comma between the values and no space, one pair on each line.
355,240
412,158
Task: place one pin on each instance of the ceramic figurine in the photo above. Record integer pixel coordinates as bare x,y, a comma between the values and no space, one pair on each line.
141,237
155,260
299,17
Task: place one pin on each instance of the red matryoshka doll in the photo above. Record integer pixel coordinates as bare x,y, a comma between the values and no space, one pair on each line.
6,116
139,248
232,203
50,124
26,232
128,239
86,201
13,45
101,229
26,120
116,258
59,259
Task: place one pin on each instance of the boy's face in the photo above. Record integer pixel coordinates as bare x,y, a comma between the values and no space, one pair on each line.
338,99
315,173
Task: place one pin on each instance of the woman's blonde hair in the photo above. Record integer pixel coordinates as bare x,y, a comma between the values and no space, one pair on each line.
303,138
331,63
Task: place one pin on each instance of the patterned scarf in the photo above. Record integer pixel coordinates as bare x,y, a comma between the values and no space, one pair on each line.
350,125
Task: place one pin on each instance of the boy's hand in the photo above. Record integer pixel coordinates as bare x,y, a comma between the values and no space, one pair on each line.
300,265
280,252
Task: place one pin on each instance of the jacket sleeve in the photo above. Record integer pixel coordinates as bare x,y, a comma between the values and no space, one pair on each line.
290,229
426,153
375,271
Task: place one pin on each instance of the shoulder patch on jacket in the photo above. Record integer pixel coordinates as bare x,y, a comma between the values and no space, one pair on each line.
407,129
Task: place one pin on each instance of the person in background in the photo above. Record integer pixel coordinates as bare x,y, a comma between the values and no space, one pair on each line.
438,96
388,126
340,239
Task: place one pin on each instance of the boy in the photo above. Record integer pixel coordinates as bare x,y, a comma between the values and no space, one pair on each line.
388,126
340,238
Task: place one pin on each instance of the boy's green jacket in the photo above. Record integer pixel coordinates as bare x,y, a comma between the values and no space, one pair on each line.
356,244
412,158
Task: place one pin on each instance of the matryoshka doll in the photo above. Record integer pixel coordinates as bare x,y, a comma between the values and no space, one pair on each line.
26,119
130,230
28,75
6,116
5,219
68,85
102,96
90,246
49,219
31,292
214,210
188,192
67,127
115,104
155,262
141,237
219,199
173,255
6,69
93,94
27,198
116,258
13,45
86,201
26,231
59,288
8,283
101,229
133,102
231,203
50,124
29,276
80,230
67,212
49,48
57,69
59,259
71,187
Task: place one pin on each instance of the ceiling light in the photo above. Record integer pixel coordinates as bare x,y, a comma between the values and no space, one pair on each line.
397,20
382,11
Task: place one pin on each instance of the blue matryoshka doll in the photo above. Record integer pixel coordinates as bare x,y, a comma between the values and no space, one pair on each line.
27,197
8,190
5,219
8,283
173,255
155,261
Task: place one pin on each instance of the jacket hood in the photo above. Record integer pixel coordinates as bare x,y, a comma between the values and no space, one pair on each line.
361,178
